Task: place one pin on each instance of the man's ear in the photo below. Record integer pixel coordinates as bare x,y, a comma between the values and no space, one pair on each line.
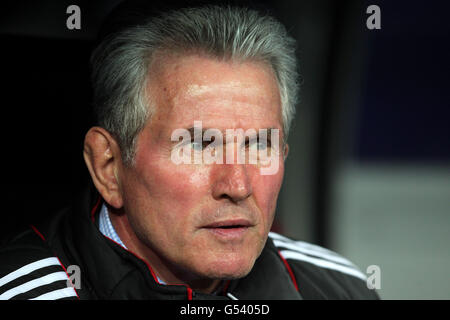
102,156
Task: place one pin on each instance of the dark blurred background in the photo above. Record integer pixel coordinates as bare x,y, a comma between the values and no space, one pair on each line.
368,173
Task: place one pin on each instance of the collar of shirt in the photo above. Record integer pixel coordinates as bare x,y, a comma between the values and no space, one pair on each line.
107,229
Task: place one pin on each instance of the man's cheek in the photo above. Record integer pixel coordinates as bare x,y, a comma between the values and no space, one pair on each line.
199,176
267,189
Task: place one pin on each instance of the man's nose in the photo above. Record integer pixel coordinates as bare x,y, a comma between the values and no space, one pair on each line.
232,182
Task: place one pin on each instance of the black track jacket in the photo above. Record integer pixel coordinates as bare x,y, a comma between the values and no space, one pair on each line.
37,263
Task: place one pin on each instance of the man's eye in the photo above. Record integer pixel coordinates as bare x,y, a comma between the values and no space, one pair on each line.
196,146
199,146
261,145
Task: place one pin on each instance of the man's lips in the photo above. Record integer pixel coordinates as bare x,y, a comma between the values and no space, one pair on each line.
229,230
228,224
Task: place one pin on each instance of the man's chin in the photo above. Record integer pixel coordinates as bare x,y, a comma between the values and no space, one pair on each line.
227,260
227,269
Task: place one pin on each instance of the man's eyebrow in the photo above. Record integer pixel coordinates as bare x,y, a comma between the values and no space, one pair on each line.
193,130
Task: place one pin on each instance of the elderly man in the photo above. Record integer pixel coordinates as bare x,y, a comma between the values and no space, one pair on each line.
189,219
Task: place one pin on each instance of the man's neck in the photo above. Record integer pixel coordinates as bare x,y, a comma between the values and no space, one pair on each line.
161,268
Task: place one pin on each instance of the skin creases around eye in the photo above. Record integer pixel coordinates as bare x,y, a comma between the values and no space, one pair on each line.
251,151
251,145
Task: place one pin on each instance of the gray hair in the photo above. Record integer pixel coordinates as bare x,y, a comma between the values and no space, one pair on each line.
121,63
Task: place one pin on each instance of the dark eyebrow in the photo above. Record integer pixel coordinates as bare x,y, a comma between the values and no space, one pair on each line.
192,130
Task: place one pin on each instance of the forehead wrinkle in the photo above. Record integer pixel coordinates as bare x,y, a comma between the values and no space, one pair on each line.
227,107
168,78
196,90
183,101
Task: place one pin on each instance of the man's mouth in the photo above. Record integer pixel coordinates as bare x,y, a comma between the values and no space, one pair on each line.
228,224
229,229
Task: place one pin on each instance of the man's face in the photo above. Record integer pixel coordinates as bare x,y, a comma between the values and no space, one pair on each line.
209,220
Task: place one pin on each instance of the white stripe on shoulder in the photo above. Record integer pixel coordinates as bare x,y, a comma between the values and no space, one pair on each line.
304,244
57,294
308,248
232,297
295,247
28,269
288,254
30,285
